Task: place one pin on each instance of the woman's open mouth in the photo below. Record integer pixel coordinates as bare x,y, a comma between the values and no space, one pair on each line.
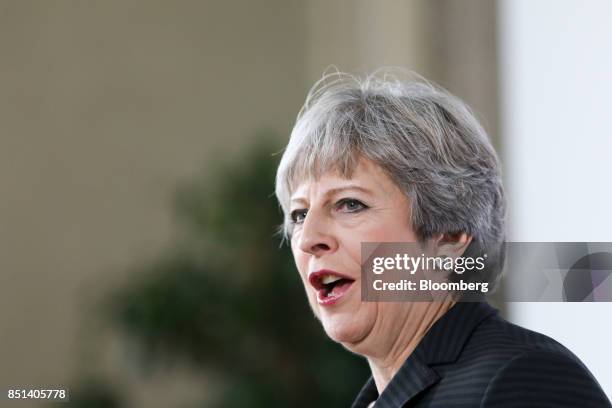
330,286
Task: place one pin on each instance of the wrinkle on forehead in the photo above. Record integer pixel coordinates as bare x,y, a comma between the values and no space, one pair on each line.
366,176
312,168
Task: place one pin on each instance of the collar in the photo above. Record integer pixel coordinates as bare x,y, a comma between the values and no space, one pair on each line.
441,344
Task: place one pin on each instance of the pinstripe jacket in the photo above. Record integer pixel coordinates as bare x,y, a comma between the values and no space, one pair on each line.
471,357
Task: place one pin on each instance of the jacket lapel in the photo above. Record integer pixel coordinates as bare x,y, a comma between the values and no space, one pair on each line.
413,377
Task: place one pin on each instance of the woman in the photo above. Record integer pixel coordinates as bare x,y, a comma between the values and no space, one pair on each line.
389,160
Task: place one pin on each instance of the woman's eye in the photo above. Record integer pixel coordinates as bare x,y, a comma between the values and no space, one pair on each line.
351,205
297,216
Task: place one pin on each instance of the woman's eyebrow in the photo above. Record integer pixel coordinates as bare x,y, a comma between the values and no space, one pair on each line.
333,191
298,200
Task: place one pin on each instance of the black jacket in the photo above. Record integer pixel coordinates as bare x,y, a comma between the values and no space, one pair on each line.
471,357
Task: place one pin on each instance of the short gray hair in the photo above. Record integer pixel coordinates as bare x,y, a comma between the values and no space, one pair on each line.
425,139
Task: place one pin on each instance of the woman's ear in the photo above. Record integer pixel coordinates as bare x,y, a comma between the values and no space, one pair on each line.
452,244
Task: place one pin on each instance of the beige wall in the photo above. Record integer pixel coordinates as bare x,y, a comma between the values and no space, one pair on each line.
362,35
105,105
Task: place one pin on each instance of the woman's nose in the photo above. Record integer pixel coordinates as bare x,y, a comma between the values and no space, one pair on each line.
315,237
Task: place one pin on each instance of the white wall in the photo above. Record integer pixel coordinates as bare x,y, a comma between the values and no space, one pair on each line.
556,90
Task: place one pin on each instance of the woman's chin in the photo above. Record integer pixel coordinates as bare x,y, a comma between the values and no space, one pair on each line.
344,329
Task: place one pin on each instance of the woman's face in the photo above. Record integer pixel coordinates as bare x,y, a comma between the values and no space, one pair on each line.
332,216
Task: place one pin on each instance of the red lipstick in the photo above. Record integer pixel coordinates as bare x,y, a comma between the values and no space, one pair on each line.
330,285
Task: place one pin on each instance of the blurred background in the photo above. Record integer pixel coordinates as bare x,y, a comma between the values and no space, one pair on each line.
138,262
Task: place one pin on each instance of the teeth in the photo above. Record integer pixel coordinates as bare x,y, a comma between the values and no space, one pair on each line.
330,279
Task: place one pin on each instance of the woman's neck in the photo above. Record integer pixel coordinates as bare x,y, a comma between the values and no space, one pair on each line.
391,352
